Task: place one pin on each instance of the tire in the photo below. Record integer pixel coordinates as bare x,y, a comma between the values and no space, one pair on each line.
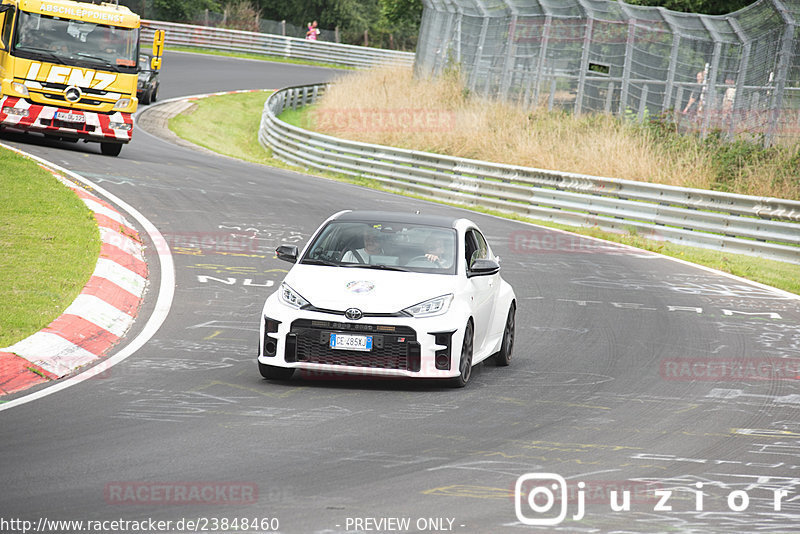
465,362
145,98
503,358
154,96
270,372
111,149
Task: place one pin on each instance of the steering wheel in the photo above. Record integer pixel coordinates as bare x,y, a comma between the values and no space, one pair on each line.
421,259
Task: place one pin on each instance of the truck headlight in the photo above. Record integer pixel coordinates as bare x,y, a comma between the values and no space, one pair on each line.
20,88
16,112
120,126
122,103
431,307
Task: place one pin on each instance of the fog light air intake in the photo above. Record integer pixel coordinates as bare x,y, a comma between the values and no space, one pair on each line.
270,343
442,356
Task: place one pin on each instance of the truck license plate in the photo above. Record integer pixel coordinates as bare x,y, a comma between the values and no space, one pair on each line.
70,117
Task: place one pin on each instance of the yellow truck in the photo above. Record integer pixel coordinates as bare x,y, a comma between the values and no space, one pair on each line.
69,70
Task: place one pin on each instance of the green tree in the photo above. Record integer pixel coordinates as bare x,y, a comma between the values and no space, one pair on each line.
707,7
182,10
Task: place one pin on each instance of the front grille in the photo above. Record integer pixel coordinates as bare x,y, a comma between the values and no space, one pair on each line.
393,347
80,126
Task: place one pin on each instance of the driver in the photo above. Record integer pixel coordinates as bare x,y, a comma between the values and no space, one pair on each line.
372,247
438,252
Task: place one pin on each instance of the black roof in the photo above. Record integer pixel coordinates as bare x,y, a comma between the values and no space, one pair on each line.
399,217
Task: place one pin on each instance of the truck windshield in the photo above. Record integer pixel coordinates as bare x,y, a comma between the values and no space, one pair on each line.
75,42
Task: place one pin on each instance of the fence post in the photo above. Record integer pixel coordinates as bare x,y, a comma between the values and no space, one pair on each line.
738,95
548,20
784,55
609,97
587,42
626,70
283,27
643,103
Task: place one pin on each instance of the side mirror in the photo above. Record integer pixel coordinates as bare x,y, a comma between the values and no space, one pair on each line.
158,49
482,267
287,253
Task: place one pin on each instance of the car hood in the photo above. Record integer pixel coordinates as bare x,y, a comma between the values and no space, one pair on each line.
370,290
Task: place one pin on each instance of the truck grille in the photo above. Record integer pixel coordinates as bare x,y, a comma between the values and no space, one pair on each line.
393,347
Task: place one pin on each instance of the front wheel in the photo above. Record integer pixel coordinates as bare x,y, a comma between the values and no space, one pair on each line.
465,362
111,149
503,358
271,372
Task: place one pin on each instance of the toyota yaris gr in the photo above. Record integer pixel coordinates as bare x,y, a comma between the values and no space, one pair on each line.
388,295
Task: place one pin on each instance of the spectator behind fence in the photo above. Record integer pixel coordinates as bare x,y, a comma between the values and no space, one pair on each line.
698,96
313,31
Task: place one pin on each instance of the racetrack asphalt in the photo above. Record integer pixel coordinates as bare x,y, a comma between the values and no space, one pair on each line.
619,377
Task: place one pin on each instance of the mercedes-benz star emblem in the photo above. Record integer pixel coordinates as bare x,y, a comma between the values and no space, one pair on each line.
354,314
73,94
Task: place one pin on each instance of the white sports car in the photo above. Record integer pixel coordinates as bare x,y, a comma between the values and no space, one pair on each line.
391,295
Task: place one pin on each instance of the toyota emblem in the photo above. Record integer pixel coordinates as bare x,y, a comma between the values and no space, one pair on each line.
354,314
73,94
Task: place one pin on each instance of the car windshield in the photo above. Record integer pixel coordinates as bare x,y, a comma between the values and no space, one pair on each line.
75,42
384,245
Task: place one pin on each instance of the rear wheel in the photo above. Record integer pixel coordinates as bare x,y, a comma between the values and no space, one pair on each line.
465,362
271,372
111,149
503,358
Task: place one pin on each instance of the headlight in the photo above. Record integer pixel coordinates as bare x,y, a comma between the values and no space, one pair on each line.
429,308
20,88
122,103
292,298
16,112
120,126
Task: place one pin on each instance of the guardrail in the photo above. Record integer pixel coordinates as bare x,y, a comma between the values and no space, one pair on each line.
273,45
765,227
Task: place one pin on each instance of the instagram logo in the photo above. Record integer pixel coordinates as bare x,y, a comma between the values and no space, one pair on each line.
538,493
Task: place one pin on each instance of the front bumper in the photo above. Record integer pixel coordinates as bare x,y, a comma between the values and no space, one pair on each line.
401,346
20,114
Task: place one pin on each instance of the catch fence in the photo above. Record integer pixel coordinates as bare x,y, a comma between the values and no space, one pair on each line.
737,73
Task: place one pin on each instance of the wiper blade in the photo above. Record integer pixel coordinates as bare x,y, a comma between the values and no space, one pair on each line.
314,261
383,267
42,51
104,61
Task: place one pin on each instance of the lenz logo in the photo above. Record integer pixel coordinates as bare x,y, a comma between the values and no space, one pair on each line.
77,77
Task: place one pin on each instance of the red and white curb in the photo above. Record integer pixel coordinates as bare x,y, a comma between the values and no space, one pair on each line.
97,319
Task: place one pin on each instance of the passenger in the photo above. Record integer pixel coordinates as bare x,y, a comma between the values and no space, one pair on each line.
372,247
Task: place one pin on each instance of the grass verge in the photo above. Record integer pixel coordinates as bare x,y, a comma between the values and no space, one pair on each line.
233,114
260,57
50,245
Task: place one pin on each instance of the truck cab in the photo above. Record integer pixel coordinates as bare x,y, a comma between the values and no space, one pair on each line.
69,70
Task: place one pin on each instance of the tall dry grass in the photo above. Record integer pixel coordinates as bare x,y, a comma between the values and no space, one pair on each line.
389,106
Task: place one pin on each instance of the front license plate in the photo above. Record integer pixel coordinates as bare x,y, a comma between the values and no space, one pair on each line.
351,342
70,117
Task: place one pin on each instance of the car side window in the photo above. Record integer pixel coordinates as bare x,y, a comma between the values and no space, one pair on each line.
483,247
476,247
7,19
470,247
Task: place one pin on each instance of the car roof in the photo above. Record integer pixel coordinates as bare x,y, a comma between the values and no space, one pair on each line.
399,217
